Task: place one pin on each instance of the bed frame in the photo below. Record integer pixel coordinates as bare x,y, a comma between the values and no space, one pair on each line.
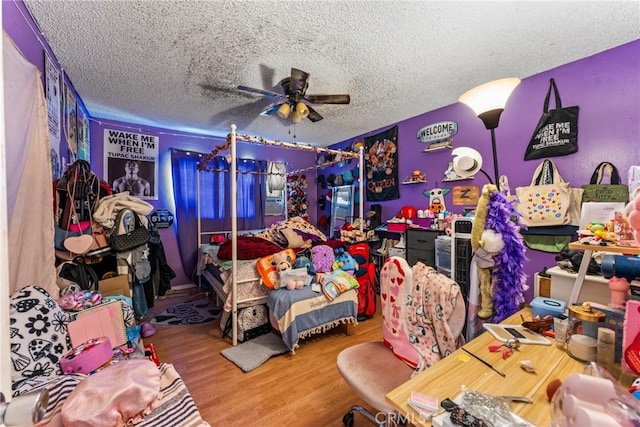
231,146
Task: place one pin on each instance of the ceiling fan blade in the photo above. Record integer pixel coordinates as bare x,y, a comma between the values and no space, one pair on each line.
271,109
314,116
328,99
260,91
299,81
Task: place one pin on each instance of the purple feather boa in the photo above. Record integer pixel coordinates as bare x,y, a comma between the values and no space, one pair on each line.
509,278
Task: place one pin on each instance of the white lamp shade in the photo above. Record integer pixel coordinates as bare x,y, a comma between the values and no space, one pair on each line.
490,96
284,110
466,161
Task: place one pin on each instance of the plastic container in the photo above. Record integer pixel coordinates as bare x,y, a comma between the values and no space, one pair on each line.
542,307
423,222
397,227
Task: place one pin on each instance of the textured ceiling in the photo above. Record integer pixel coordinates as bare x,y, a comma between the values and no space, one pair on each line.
176,64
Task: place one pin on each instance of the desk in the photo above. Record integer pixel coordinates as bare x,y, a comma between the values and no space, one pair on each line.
445,378
588,251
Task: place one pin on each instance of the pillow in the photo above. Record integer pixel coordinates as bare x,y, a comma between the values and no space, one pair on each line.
322,258
294,240
39,338
120,394
308,236
267,270
298,223
249,248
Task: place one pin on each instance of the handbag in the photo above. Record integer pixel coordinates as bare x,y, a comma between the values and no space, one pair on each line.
122,240
78,272
549,200
596,191
556,133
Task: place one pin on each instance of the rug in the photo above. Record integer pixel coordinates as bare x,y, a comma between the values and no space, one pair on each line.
188,313
253,353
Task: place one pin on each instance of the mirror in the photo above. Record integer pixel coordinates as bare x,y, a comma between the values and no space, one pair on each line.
341,208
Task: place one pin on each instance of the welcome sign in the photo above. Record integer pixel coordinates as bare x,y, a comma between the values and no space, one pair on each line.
438,135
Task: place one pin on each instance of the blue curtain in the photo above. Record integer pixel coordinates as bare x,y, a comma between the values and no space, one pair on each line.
215,197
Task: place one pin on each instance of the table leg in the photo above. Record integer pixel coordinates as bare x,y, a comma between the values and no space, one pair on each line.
582,272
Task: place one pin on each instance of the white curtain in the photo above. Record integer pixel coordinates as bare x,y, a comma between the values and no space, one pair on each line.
29,179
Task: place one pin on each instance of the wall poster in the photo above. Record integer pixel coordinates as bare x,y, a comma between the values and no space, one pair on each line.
72,129
131,163
52,95
381,164
83,135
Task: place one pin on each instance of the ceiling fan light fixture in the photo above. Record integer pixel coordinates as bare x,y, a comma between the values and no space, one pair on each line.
300,112
284,110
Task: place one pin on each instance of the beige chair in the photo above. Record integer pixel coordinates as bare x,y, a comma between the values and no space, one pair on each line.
372,369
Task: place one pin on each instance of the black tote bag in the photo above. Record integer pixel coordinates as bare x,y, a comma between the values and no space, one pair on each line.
557,131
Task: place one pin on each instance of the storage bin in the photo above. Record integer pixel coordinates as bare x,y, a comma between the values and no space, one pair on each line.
399,252
594,288
541,306
397,227
423,222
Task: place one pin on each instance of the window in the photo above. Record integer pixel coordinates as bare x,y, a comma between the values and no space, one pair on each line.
275,186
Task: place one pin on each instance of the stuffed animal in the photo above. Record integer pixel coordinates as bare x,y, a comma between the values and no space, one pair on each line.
633,216
289,278
477,235
344,261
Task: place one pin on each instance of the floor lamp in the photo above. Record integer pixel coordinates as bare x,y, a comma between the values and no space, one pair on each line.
488,101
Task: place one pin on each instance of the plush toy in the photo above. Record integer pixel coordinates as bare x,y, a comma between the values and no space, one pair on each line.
477,234
344,261
633,216
289,278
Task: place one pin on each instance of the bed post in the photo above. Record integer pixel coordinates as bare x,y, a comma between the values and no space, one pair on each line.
360,180
234,239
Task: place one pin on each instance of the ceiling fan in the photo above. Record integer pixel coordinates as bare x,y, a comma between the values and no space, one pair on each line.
294,98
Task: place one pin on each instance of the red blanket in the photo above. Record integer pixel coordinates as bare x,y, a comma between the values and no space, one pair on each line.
249,248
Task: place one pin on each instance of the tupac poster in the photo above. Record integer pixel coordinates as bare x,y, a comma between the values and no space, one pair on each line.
381,162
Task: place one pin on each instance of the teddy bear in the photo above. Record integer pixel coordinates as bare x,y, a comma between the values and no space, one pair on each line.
289,277
483,255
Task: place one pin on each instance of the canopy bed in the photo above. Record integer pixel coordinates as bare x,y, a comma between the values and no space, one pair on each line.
238,283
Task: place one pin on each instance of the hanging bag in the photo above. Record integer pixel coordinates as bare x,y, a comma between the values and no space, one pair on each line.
596,191
78,272
124,238
549,200
557,131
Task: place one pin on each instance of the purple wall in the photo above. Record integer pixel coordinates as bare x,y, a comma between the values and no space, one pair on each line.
605,86
17,22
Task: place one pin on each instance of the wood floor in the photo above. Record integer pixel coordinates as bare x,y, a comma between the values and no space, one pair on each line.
299,390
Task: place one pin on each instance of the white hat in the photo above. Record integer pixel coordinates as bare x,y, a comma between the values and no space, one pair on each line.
466,161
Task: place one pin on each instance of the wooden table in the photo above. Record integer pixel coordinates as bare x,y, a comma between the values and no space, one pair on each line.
445,378
586,258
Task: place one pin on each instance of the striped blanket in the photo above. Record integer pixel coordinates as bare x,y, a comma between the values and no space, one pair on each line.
302,312
176,407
